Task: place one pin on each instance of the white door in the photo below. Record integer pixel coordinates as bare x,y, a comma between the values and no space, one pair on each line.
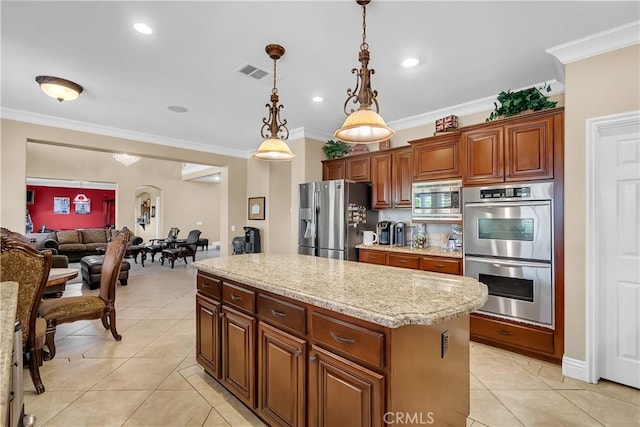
618,240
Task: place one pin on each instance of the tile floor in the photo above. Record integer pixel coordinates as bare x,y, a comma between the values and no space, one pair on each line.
150,378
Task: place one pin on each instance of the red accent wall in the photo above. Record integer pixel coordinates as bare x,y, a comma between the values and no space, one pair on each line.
42,209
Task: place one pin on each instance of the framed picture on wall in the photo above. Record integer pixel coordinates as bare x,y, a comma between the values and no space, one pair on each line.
256,208
61,205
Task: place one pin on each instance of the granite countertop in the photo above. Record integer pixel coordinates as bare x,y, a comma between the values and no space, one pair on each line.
388,296
8,304
431,250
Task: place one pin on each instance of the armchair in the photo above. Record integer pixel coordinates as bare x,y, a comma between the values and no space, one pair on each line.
157,245
182,249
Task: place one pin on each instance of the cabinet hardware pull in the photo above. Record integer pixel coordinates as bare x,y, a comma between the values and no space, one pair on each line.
312,359
403,261
278,313
221,314
372,257
206,285
297,353
235,297
440,265
342,340
503,332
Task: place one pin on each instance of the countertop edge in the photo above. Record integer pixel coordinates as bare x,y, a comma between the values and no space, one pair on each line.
8,307
429,251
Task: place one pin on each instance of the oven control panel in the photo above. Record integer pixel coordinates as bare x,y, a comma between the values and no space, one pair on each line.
506,193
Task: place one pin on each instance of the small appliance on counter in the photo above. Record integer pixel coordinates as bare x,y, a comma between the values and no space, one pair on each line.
399,235
251,240
386,231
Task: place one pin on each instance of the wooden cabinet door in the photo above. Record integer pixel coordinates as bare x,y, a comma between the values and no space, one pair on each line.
441,265
333,169
281,377
359,169
436,158
208,334
239,355
529,150
343,393
402,177
381,181
482,156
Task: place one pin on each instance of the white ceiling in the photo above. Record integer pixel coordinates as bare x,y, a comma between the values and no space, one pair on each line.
468,51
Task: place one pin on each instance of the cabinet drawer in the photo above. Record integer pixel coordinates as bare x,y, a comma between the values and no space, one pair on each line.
353,340
514,334
239,297
406,261
372,257
208,285
441,265
282,313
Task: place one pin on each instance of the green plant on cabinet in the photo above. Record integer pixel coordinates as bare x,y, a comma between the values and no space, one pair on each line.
512,103
333,149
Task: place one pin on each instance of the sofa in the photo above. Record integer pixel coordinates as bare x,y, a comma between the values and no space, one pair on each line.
78,243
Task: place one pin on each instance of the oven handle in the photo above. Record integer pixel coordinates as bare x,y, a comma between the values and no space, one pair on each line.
506,204
509,263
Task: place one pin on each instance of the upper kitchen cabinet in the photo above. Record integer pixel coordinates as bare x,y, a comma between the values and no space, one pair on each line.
436,157
356,168
391,178
512,150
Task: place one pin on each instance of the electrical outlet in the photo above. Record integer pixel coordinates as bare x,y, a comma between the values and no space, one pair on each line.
233,228
445,344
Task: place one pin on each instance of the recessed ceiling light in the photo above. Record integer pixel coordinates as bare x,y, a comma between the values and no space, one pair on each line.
410,62
142,28
317,99
177,109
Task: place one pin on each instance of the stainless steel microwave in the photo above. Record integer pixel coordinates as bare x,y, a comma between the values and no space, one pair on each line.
440,201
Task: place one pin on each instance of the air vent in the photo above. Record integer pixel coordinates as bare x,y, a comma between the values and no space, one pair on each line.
251,71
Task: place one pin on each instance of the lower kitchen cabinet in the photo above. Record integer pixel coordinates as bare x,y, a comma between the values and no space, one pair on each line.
511,335
208,331
438,264
343,393
441,265
282,360
238,355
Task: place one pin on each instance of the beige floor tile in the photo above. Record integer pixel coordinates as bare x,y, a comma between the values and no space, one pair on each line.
478,424
77,374
618,391
607,410
215,420
95,327
46,405
169,346
175,381
193,369
485,408
209,388
469,422
67,329
475,384
236,414
100,408
151,327
506,374
172,409
183,327
77,345
134,312
139,374
170,313
543,408
127,347
188,361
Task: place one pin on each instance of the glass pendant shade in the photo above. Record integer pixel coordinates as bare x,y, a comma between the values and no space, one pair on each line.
364,127
60,89
274,149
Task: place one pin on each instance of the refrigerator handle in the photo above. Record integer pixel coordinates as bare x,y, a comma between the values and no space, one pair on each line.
314,217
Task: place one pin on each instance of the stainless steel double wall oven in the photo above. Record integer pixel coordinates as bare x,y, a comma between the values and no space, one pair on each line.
508,232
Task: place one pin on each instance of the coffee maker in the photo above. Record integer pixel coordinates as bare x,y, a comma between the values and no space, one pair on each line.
251,240
399,238
385,232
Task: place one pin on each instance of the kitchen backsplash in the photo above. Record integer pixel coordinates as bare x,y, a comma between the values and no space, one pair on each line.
432,231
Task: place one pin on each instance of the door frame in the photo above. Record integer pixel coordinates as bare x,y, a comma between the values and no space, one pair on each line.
594,125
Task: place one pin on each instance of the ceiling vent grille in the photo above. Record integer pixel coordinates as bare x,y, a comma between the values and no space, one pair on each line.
252,71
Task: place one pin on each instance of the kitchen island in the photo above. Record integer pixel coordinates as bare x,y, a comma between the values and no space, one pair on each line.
307,340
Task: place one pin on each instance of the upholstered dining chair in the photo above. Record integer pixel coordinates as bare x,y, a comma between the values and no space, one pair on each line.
86,307
20,262
183,249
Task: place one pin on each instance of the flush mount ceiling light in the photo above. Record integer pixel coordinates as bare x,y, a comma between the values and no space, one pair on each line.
143,28
410,63
126,159
273,147
363,126
60,89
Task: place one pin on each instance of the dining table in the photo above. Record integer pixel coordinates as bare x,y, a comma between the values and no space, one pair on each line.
58,276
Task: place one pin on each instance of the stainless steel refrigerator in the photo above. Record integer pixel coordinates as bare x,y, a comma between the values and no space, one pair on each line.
332,217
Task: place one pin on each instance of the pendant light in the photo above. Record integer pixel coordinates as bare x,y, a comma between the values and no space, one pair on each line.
363,126
274,148
58,88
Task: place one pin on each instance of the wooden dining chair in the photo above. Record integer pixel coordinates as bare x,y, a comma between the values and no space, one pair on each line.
86,307
20,262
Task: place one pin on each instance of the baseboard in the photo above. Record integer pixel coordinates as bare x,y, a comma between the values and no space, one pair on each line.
575,368
215,245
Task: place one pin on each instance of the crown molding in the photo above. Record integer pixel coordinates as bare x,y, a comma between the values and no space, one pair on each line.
467,108
596,44
57,122
44,182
